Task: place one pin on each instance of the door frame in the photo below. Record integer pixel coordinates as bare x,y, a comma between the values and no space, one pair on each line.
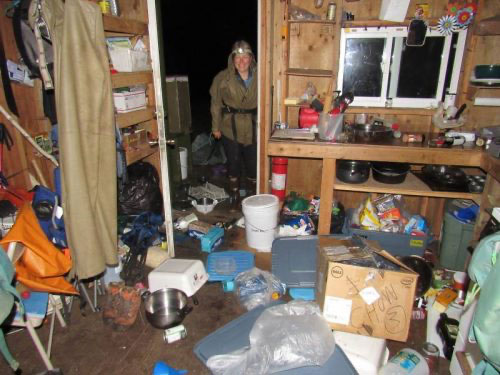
158,65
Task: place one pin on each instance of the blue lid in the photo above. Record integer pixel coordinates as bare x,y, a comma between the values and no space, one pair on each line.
235,335
225,265
306,294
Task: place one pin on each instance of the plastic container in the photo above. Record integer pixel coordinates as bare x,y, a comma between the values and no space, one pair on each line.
261,220
399,244
235,335
367,354
330,126
455,239
225,265
406,361
183,155
187,275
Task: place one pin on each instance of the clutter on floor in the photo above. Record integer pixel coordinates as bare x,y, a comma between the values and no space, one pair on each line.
369,282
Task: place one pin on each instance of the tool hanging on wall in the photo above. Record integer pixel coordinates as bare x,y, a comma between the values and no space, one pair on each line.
14,122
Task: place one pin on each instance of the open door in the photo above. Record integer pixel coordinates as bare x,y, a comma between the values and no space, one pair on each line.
158,65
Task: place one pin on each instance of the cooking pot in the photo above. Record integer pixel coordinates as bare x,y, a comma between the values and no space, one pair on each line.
371,132
445,176
424,270
166,308
353,171
390,173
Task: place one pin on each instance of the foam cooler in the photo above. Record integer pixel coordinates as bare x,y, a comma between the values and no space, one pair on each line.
187,275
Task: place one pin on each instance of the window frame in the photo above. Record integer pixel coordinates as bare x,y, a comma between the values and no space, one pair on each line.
390,34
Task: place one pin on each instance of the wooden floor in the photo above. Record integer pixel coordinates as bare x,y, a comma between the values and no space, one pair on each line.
89,347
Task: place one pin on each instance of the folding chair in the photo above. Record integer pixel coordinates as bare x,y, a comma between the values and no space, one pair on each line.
10,298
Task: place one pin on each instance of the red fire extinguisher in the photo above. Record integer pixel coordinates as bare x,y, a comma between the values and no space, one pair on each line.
278,177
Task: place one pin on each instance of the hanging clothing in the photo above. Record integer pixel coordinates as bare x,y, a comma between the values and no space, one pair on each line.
86,133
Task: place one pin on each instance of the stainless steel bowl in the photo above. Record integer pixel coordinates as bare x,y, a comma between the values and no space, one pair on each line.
166,308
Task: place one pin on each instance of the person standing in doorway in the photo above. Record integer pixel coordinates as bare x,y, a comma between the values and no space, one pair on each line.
234,114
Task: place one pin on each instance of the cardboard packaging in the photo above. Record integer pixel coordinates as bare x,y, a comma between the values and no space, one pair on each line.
362,289
129,101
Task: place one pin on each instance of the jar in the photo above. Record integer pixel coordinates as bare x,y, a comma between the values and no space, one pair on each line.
431,354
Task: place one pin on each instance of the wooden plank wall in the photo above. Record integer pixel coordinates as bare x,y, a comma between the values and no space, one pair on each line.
23,166
307,50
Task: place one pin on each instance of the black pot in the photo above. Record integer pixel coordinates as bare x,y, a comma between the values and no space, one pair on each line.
445,176
424,270
353,171
390,173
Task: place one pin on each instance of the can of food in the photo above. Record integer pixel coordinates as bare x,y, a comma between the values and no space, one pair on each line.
174,334
330,13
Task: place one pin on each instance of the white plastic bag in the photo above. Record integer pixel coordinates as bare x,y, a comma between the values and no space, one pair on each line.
283,337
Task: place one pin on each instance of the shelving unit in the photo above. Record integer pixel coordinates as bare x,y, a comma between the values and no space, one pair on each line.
316,38
143,118
412,185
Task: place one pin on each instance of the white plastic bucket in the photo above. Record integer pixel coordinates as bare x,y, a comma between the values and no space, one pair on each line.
183,153
261,220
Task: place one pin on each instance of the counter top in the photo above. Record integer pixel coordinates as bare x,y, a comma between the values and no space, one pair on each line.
392,150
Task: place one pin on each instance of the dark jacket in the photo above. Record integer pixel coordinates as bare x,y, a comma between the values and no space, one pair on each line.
228,89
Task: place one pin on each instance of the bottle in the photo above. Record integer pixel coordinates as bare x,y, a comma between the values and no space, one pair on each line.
104,5
330,13
406,361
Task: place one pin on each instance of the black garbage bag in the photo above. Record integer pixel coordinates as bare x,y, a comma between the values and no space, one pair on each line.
141,192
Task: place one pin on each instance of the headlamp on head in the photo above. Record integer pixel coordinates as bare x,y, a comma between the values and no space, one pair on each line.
242,51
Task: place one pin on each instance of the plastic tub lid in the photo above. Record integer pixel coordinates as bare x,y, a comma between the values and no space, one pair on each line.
260,201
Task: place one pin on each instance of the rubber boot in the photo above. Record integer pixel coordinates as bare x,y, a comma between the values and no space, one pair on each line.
234,194
113,300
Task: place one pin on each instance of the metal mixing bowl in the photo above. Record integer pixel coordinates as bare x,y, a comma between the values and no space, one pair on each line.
166,308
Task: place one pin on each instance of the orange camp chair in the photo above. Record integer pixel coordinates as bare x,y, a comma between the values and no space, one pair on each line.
39,265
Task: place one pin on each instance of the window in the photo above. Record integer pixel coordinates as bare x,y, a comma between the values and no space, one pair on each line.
380,70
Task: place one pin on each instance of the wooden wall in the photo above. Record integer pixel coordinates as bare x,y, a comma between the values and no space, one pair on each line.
318,47
23,166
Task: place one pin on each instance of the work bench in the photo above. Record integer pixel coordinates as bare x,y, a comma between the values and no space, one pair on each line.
393,150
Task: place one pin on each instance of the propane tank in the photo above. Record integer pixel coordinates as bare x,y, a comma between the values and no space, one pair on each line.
278,177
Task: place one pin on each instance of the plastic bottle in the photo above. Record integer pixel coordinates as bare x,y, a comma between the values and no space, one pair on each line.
406,361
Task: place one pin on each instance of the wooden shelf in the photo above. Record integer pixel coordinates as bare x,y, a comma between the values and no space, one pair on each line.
473,89
380,23
392,111
309,72
124,120
130,79
123,25
412,185
327,22
139,153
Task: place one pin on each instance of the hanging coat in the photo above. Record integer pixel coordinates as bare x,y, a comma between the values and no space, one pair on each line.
86,133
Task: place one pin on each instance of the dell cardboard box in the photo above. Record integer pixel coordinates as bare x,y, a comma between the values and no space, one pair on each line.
363,289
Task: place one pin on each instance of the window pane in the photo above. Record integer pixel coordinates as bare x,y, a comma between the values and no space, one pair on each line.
362,66
419,70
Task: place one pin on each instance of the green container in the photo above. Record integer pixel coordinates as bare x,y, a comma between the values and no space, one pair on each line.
454,242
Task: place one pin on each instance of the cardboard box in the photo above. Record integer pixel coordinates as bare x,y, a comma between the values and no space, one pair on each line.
129,100
358,297
135,139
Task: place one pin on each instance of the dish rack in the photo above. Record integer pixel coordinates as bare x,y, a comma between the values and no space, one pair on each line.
208,190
